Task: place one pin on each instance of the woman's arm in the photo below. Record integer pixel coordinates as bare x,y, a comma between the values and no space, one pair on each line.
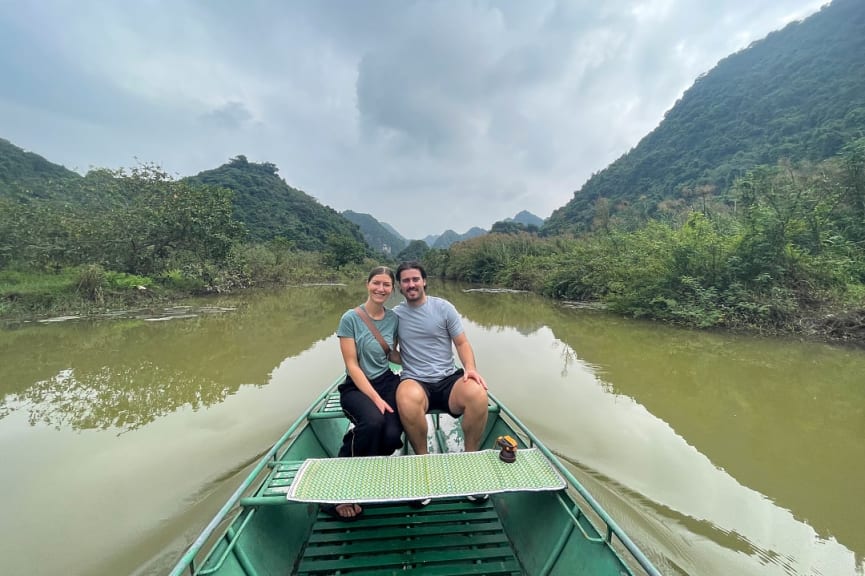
352,367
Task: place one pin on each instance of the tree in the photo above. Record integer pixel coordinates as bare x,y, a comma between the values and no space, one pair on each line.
342,250
512,227
159,223
415,250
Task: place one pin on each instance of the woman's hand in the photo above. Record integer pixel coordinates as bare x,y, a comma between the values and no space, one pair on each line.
382,406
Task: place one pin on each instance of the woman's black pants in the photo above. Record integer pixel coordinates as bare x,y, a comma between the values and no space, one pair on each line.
374,433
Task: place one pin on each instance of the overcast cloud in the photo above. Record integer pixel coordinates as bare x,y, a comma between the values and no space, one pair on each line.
428,115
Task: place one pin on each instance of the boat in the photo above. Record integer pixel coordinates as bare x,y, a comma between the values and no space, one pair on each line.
559,531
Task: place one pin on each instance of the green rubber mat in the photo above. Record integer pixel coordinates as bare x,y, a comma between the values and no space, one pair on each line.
394,478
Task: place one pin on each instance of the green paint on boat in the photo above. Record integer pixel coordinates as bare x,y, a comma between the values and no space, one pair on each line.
259,532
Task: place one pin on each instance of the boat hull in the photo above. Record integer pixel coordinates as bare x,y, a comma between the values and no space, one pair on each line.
259,532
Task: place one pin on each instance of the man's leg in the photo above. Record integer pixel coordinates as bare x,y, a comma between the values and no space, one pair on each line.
411,401
470,399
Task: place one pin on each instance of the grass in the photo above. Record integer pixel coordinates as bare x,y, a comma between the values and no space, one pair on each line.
91,289
76,290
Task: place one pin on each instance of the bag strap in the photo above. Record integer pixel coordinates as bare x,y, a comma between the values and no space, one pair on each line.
368,321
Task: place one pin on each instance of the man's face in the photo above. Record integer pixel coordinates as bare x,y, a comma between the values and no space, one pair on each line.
412,285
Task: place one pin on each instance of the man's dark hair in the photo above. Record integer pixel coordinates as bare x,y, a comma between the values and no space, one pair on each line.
410,265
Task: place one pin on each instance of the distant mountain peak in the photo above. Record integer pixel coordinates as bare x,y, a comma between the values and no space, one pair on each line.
527,218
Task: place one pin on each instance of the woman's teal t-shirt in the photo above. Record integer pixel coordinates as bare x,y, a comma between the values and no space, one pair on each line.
370,354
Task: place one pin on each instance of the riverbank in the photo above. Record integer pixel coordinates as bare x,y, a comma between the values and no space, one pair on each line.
91,291
59,298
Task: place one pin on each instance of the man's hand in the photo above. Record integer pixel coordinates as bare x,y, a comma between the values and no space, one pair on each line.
473,375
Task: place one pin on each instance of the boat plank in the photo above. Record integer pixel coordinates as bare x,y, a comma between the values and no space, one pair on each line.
405,521
407,560
384,545
407,532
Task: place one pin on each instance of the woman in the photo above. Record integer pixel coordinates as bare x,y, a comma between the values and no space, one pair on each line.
368,396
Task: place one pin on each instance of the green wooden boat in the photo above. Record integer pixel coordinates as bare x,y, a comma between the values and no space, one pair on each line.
259,531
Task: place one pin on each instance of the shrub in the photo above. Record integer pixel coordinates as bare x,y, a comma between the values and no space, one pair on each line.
91,283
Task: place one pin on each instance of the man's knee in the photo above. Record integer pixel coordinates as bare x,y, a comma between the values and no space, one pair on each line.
478,394
410,395
470,395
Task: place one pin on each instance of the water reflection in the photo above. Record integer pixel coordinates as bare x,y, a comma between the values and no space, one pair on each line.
782,418
754,445
126,373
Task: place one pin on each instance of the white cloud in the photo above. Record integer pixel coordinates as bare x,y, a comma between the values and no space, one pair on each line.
428,115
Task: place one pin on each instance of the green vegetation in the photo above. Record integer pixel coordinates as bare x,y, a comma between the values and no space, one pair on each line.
415,250
788,258
121,238
798,94
782,252
378,237
269,208
24,174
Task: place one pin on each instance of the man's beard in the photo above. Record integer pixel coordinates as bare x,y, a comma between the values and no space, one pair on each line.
414,294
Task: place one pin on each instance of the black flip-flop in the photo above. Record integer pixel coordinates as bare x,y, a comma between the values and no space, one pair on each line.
330,510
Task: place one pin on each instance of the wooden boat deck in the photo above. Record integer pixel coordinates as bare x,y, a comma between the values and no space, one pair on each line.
448,537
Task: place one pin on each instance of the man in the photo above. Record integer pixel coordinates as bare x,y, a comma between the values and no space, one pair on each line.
430,379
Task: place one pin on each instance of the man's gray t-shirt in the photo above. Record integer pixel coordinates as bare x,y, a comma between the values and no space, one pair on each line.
425,339
370,354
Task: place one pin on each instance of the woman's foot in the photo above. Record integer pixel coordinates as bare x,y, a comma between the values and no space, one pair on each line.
345,512
348,510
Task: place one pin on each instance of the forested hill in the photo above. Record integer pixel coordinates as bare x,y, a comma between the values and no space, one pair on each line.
797,94
379,237
27,174
270,208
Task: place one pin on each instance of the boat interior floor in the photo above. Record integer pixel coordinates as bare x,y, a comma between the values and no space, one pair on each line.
448,537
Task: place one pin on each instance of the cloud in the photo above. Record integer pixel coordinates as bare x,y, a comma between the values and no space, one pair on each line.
229,116
428,115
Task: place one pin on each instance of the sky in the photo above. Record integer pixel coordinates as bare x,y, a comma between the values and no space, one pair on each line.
429,115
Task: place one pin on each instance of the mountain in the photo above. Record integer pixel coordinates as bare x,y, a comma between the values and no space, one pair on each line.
270,208
380,238
527,218
449,237
25,174
393,230
797,94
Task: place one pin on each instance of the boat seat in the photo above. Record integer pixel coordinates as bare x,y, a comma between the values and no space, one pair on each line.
273,490
397,479
331,408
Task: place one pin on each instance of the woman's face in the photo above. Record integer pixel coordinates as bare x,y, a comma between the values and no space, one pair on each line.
380,287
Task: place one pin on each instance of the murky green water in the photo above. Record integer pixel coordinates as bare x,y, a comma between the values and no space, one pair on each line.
719,454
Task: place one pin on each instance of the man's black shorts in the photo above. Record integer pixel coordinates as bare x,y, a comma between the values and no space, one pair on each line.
438,393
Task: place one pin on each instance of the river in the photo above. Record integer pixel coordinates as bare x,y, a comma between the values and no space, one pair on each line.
120,437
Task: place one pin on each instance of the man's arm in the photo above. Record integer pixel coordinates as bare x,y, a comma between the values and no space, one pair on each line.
467,359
